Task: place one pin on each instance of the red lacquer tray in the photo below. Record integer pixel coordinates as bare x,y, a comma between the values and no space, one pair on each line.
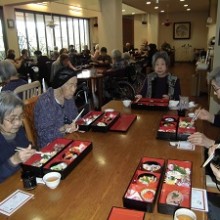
123,123
125,214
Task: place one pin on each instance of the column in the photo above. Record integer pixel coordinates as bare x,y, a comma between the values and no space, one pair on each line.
110,24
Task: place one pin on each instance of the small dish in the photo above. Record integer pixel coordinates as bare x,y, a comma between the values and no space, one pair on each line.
191,114
148,195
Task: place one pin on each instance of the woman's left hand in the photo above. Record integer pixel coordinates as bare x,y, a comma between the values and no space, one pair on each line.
215,171
166,97
71,128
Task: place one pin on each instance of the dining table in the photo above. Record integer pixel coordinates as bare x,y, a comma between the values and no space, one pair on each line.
100,180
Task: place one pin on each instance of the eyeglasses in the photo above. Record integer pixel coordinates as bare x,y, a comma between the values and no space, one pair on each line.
215,89
12,120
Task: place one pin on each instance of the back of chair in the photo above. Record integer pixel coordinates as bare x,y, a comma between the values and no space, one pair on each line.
29,90
28,120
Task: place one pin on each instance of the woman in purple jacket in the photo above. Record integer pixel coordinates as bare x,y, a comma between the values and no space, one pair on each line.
55,110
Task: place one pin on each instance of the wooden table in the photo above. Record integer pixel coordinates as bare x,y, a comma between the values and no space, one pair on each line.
100,180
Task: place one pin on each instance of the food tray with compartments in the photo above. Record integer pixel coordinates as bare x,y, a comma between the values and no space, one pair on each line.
118,213
173,127
185,128
168,127
61,155
143,188
86,121
176,188
151,104
104,122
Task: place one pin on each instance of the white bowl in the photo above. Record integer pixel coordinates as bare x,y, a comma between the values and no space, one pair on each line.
184,211
191,114
126,102
52,179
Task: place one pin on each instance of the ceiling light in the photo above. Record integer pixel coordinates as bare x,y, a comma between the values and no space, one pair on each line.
162,11
182,0
156,7
188,9
185,5
148,2
133,13
123,10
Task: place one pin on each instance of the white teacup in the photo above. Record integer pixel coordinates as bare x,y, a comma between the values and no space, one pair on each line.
126,102
184,214
52,179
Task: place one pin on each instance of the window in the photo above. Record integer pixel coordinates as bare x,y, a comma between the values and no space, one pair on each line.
2,45
34,33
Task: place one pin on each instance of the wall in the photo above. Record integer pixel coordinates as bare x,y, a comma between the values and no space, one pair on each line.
146,32
198,33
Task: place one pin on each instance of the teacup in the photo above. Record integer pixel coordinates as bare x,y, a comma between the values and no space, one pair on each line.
126,102
52,179
184,214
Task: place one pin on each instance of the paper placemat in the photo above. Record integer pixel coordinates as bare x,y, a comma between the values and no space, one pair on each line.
14,201
199,200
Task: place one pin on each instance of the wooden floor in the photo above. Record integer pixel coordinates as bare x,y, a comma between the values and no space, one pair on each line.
186,72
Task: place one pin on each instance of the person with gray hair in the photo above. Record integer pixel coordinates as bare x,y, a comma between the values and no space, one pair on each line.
12,135
4,74
160,83
199,138
117,60
14,80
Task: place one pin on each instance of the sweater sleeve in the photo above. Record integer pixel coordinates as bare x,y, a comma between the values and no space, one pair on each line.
217,121
177,90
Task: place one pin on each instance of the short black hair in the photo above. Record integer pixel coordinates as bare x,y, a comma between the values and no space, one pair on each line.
104,49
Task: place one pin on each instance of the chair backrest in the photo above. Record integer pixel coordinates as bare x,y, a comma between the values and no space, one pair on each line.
29,90
28,120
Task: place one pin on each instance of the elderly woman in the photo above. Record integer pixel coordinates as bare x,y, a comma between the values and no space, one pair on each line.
55,110
160,83
14,80
199,138
12,135
117,60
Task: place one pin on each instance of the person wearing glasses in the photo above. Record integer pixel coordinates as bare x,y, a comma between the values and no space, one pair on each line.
12,135
199,138
55,110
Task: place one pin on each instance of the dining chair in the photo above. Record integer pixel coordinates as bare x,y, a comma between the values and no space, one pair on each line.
28,120
29,90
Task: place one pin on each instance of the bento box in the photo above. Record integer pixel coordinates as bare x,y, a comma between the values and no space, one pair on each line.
37,161
61,155
176,188
185,128
86,121
168,127
142,190
104,122
118,213
151,104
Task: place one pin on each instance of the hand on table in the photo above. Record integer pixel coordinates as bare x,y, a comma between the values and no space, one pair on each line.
200,139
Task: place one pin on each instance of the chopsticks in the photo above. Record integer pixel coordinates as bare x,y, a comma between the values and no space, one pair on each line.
195,117
210,157
77,117
137,100
18,149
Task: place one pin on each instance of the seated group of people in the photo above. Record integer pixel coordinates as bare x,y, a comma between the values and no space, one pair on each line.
55,109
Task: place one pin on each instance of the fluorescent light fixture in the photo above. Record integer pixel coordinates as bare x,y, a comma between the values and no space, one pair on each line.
182,0
185,5
188,9
156,7
148,2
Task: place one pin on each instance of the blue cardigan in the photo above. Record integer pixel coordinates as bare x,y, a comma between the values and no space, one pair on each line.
49,117
7,149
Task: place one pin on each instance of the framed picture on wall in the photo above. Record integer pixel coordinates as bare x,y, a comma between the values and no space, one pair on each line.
181,30
11,23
